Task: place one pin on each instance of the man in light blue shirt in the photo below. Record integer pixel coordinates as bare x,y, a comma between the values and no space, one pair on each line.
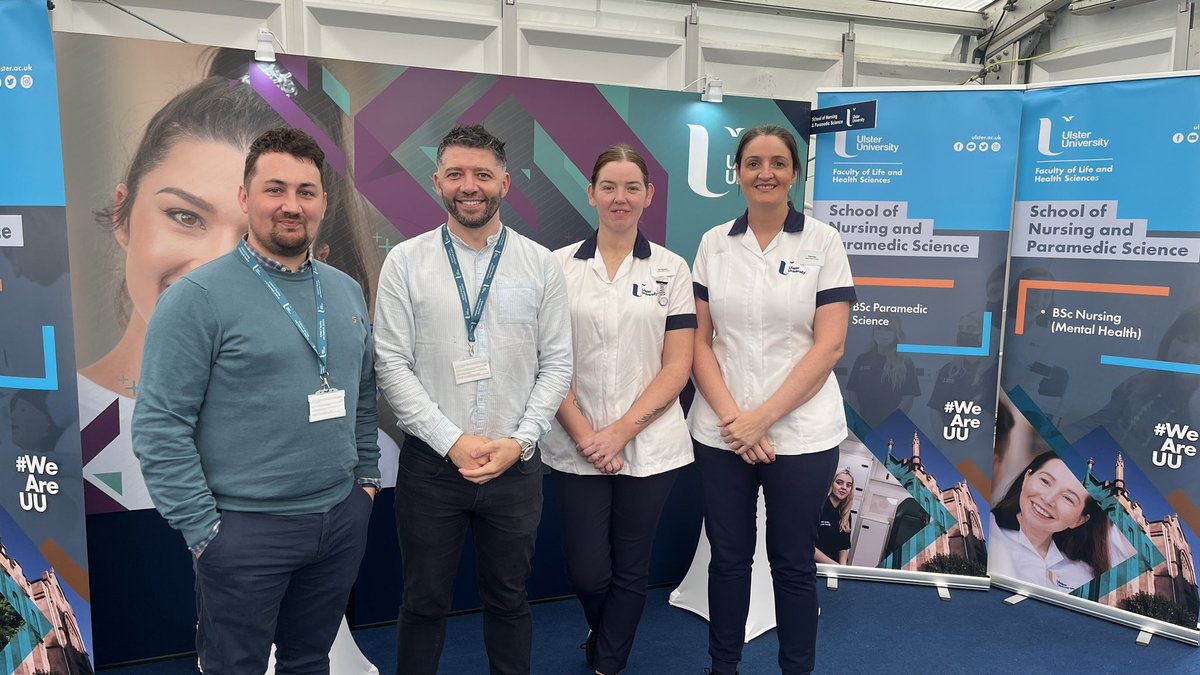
473,344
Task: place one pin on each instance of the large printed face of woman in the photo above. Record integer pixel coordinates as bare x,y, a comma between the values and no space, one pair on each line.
185,214
766,172
620,195
1052,499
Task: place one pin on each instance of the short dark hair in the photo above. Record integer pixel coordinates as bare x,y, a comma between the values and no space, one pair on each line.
473,136
621,152
289,141
770,130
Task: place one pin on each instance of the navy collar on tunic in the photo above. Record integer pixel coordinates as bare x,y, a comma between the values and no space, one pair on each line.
793,223
587,250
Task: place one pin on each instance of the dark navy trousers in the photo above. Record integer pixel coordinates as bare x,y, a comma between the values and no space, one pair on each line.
795,488
609,524
284,579
435,506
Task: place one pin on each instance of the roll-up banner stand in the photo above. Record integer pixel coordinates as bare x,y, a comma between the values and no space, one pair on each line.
45,616
922,199
133,232
1096,480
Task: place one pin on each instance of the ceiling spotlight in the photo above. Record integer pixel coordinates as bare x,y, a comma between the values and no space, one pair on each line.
714,89
265,51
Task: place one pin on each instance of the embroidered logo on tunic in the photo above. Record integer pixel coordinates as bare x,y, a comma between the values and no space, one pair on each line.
787,267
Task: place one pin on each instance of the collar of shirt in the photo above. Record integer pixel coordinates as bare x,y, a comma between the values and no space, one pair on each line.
273,264
587,249
793,223
491,241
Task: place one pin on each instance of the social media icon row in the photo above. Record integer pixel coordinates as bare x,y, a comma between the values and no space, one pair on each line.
10,81
1191,137
972,146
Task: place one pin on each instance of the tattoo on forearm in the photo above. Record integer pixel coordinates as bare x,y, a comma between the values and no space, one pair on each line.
650,416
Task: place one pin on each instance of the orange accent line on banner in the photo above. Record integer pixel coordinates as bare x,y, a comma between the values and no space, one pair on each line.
1185,508
1081,287
903,283
976,478
66,568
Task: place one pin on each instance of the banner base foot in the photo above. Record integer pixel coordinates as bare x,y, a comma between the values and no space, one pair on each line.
1014,599
1143,638
831,583
943,593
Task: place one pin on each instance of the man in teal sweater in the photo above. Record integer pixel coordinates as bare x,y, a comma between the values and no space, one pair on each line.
256,425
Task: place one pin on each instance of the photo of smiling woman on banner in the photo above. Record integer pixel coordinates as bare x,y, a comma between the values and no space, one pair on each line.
174,209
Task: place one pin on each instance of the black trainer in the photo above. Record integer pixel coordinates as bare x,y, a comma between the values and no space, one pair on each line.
589,650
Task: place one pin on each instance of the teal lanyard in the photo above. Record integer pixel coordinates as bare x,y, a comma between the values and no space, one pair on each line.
472,317
321,345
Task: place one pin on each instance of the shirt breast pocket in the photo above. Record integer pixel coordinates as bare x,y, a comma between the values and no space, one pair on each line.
515,304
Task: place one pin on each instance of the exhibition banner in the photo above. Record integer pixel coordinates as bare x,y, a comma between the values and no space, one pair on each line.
1096,480
922,201
129,108
45,619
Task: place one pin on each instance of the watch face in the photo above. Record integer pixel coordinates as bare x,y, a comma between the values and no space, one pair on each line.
527,452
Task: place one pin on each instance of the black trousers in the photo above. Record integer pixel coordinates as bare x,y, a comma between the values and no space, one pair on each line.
794,487
434,507
282,579
608,534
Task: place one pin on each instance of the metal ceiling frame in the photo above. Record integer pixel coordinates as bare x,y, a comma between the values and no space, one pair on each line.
866,12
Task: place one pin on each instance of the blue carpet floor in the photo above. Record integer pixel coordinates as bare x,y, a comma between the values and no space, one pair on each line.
865,628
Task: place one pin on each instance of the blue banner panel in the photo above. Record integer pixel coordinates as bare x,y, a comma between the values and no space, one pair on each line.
1097,481
922,202
45,617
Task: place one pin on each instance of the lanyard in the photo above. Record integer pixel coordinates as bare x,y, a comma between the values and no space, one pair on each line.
321,345
472,318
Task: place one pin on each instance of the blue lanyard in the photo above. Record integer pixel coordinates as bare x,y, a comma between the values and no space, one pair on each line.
472,318
321,345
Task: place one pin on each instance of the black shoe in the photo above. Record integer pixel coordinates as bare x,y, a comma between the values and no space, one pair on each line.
589,650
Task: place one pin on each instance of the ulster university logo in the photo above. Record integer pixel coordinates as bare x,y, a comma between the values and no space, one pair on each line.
698,161
839,145
1066,140
1045,132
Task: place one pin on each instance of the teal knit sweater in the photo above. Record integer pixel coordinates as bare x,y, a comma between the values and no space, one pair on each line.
221,420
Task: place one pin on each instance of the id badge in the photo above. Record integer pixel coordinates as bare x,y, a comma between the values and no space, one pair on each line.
326,405
471,369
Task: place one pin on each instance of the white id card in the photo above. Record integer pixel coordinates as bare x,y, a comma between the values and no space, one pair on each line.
326,405
471,369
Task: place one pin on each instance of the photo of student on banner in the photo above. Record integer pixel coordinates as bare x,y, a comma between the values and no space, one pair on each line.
892,504
1047,530
1152,396
833,530
881,379
963,378
176,209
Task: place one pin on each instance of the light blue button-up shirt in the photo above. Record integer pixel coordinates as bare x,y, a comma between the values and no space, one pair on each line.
525,334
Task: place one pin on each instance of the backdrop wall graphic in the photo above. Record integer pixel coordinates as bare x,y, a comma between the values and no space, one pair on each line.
45,619
380,126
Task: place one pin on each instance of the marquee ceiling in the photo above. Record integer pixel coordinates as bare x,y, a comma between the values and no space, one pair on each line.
949,4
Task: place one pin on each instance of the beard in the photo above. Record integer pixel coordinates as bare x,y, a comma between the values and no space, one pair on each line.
284,244
490,206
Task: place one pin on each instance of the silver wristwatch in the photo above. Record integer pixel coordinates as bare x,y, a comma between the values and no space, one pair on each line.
527,449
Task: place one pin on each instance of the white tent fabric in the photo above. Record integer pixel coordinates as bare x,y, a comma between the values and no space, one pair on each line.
973,5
